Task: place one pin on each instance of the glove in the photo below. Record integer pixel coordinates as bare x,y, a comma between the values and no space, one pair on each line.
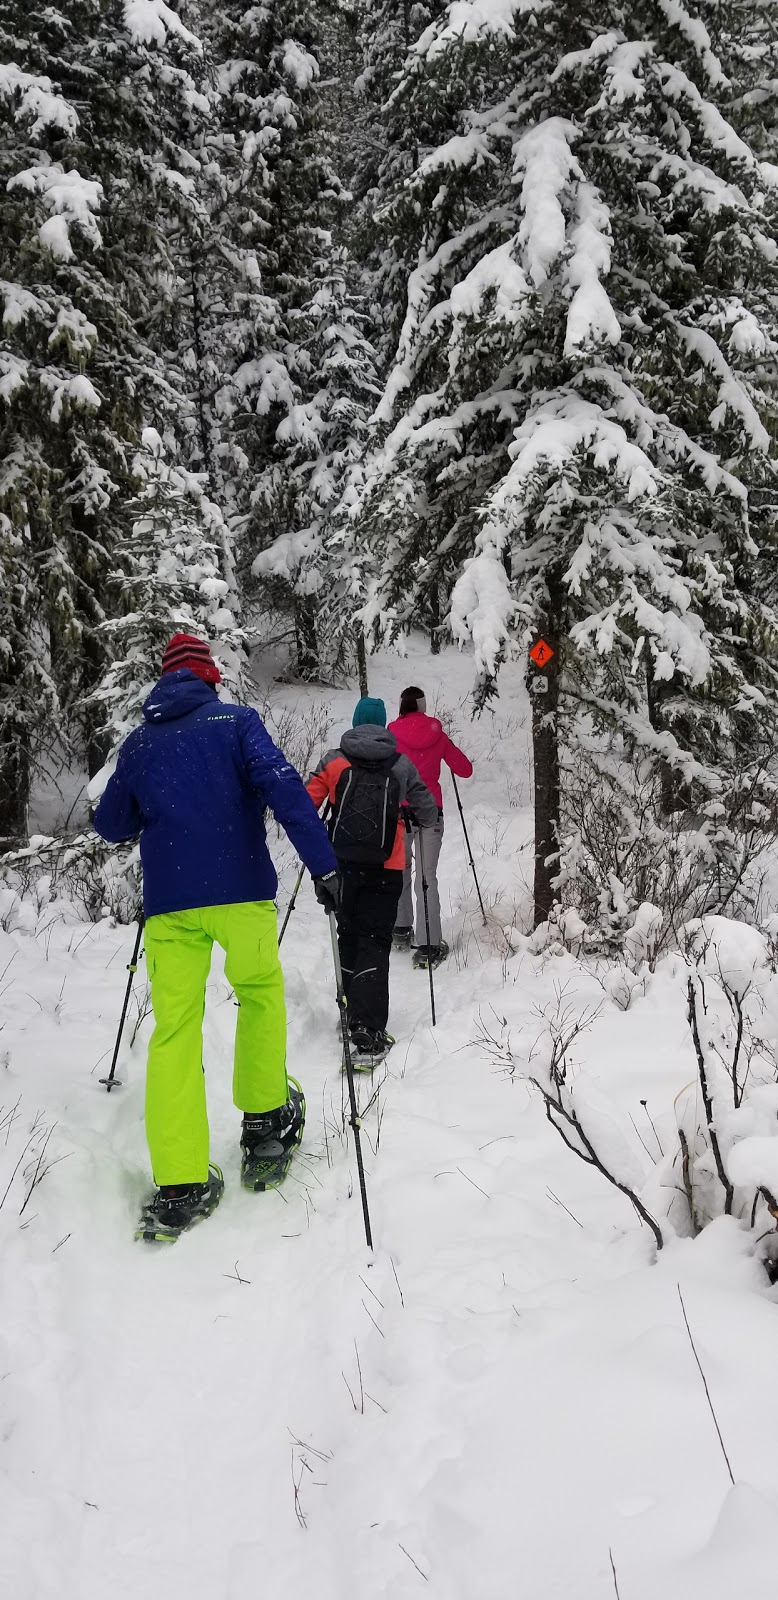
327,891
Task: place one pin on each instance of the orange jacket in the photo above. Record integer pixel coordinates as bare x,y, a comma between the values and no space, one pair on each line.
324,781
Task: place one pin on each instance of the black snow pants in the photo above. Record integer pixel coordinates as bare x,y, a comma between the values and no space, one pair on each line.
368,910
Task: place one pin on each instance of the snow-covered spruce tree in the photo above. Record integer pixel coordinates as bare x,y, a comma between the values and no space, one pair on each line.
325,437
577,415
278,321
391,131
105,262
67,403
169,579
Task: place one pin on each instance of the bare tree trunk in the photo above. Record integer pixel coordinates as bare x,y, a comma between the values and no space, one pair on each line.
94,663
545,752
435,619
205,442
305,635
14,785
409,39
359,634
670,797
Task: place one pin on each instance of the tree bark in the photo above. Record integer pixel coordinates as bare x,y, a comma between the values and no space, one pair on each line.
205,442
545,752
14,786
359,634
305,635
671,798
435,619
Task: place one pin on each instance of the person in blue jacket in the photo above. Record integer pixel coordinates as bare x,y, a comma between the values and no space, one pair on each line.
194,781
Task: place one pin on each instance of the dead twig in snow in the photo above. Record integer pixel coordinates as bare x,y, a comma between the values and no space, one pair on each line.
705,1385
397,1281
615,1579
686,1169
236,1275
707,1098
413,1563
558,1202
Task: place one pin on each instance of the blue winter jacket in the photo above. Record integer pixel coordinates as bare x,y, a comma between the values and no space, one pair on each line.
193,781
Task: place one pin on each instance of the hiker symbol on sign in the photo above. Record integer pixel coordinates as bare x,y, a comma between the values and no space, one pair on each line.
541,653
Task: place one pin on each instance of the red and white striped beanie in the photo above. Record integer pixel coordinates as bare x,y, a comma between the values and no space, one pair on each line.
186,651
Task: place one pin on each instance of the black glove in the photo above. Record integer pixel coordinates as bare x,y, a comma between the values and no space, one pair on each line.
327,891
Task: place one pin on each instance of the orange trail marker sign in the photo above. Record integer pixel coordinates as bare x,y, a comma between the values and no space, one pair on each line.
541,653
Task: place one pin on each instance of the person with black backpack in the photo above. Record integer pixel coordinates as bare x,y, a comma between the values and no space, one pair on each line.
367,780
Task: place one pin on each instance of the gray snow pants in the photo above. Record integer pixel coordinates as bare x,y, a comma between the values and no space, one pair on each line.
432,841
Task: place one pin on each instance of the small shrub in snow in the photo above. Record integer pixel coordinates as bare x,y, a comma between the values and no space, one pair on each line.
84,876
632,875
724,1155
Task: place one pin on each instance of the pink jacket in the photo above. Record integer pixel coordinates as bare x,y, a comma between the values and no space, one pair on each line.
422,739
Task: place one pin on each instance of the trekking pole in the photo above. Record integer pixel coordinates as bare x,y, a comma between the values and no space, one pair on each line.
296,890
112,1082
352,1093
469,851
291,905
424,887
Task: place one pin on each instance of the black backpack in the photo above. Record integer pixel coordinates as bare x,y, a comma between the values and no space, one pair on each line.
365,812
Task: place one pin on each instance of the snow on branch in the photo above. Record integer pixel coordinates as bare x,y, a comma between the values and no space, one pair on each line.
560,427
498,275
696,34
623,64
70,198
548,441
731,395
591,318
483,607
38,101
671,442
545,162
472,150
720,133
14,374
69,393
299,65
422,284
469,21
151,22
19,304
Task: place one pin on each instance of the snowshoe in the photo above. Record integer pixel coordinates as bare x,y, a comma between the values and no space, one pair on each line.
268,1142
401,938
430,955
368,1049
174,1207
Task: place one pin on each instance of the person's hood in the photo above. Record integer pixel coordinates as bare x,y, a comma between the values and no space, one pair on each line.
418,731
368,742
176,694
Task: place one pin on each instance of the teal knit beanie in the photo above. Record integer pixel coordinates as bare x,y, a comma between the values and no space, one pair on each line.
369,710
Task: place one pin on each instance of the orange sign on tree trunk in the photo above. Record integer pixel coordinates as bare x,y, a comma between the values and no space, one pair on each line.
541,653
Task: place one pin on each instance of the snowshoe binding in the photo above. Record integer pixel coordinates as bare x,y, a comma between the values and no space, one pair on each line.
401,938
268,1142
430,955
368,1049
175,1207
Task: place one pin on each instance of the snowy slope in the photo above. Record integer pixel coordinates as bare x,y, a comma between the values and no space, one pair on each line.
501,1398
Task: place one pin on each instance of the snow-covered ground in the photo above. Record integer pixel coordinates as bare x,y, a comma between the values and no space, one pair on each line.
503,1402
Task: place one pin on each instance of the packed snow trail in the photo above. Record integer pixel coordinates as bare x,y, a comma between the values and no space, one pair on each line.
486,1409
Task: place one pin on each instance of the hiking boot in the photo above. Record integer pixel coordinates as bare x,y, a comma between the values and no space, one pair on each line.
369,1047
178,1206
269,1139
401,938
430,955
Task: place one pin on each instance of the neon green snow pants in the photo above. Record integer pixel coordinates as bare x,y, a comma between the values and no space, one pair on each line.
178,958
